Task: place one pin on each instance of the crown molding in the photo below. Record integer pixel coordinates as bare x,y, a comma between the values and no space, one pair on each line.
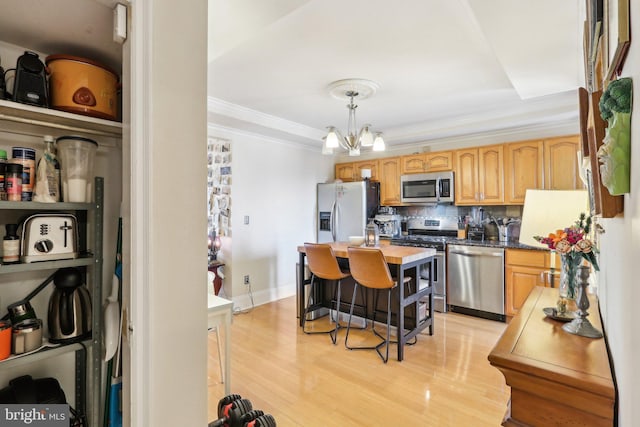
542,117
225,132
247,115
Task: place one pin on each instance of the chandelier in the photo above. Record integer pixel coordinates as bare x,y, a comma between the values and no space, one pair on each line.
354,139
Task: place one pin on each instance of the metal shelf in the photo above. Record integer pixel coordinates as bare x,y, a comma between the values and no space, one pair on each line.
39,206
88,369
46,265
57,120
43,353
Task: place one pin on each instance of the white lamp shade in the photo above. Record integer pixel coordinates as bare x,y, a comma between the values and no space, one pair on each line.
546,211
366,137
332,139
378,143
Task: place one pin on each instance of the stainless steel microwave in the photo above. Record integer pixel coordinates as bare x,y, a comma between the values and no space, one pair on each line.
427,188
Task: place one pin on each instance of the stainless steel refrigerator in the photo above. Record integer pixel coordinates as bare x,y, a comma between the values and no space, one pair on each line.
344,208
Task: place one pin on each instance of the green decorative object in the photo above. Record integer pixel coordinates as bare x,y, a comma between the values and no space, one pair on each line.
615,154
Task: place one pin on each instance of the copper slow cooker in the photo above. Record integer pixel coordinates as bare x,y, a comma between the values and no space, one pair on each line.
82,86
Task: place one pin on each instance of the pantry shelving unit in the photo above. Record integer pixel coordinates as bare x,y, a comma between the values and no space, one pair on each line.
88,354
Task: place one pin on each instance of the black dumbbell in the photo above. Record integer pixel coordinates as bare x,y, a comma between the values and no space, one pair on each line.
265,420
231,413
225,401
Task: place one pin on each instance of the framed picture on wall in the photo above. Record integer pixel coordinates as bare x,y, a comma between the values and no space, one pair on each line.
619,35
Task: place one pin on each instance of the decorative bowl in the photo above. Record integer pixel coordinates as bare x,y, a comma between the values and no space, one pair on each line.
356,240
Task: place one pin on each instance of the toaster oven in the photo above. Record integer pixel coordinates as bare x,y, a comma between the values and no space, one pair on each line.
48,237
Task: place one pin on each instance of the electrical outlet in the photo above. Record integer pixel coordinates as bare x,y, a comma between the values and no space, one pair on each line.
246,219
246,279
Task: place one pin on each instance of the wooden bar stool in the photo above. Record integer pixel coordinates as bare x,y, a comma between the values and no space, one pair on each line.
323,265
370,270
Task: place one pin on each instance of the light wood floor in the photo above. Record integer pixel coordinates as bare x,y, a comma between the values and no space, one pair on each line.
304,380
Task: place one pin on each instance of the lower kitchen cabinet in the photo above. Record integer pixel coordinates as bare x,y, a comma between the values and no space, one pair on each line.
524,270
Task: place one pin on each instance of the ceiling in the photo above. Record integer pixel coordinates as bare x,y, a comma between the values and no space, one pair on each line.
444,67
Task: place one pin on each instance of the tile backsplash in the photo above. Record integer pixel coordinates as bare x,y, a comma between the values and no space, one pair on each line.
457,211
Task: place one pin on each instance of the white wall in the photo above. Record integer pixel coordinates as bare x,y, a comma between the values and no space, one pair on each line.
274,184
165,224
619,253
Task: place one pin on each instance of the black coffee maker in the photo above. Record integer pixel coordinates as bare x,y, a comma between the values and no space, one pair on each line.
30,83
69,308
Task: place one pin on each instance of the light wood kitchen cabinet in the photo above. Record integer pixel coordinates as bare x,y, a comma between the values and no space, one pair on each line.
523,169
480,176
561,163
427,162
524,270
372,165
352,171
345,171
390,181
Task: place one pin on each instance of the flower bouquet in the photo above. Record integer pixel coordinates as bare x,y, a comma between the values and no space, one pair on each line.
573,246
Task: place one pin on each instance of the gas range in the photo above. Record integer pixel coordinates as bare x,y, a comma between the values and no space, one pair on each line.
439,243
429,233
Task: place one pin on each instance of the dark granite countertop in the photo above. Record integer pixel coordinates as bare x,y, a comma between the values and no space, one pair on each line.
494,244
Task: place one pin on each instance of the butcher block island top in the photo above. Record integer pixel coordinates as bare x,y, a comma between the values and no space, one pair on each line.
556,378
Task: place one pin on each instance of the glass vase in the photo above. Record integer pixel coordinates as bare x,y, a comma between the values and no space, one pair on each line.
569,267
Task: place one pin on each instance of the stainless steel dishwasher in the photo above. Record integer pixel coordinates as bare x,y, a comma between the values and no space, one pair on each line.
476,281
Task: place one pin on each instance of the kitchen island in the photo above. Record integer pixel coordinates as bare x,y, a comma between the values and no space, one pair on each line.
403,261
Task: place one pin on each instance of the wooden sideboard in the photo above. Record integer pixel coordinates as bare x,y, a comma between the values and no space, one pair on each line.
556,378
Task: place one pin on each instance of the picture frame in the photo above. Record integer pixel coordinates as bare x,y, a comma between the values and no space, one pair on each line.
619,35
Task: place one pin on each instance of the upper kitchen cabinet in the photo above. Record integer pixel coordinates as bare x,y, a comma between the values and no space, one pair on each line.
390,181
371,165
479,176
427,162
523,169
345,171
561,163
352,171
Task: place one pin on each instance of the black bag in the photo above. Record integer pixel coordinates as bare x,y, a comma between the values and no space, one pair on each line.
46,391
25,389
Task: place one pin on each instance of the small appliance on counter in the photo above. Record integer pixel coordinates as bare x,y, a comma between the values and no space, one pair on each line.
389,225
47,237
475,232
